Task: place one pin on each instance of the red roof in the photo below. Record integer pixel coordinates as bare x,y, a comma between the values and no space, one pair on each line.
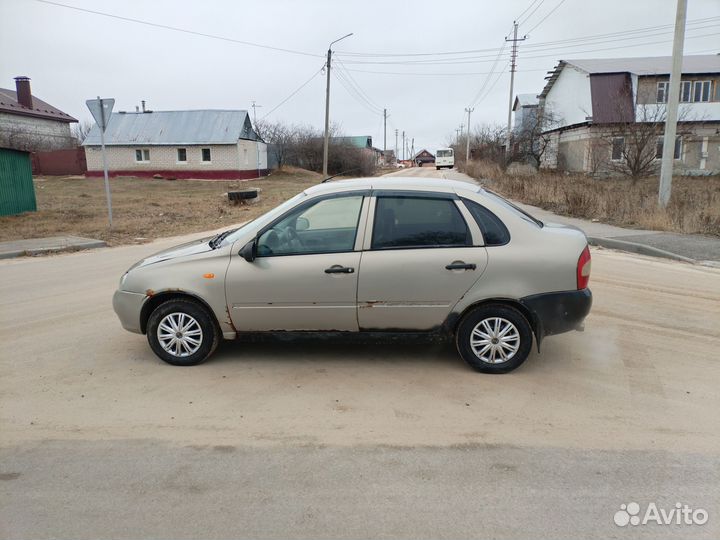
9,104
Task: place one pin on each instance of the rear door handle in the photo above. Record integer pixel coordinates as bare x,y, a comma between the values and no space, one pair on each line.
460,266
337,269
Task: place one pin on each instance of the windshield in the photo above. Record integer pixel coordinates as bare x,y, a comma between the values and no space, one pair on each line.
265,218
510,206
444,153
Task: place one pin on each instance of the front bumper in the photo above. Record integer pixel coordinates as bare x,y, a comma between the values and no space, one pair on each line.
558,312
127,306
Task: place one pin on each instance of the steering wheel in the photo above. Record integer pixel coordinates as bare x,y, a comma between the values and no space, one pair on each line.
293,235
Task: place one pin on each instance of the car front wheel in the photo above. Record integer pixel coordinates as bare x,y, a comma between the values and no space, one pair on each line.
494,338
182,332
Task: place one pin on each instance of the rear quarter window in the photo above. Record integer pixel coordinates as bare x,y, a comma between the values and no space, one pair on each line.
494,231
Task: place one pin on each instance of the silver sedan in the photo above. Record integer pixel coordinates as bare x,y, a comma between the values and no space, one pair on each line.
375,255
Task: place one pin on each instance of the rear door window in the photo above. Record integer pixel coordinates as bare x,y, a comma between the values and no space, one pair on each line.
414,222
494,231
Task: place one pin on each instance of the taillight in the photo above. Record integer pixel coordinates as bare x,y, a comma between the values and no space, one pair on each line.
583,269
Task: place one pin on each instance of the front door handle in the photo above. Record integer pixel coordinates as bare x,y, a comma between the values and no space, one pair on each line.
460,266
337,269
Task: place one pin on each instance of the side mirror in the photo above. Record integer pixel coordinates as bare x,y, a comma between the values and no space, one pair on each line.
249,252
302,224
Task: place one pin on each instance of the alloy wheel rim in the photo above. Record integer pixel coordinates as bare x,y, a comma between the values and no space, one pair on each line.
495,340
179,334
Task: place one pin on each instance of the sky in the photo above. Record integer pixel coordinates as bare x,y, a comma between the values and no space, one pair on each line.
425,62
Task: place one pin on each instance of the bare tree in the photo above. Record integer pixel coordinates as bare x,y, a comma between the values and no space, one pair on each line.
80,130
280,138
533,138
487,143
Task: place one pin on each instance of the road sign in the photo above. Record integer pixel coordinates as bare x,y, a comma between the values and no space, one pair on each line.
101,109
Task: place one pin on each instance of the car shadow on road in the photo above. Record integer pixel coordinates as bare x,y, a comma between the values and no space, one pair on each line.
413,353
397,351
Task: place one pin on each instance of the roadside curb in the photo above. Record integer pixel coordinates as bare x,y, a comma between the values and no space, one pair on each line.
641,249
30,248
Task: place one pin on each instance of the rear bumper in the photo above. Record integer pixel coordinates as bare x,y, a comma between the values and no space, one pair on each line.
558,312
127,306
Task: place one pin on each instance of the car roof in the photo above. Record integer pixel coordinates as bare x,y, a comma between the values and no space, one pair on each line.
394,182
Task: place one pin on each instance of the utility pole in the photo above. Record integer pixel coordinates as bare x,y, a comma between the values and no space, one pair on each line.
403,146
396,146
257,144
412,149
254,107
467,145
457,136
513,65
327,105
384,130
673,98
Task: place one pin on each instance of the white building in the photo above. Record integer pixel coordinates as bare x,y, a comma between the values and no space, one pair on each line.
218,144
596,102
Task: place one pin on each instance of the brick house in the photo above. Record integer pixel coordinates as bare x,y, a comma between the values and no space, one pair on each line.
213,144
600,104
28,123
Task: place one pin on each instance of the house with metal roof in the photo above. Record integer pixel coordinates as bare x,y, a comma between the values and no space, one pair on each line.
601,104
27,124
210,144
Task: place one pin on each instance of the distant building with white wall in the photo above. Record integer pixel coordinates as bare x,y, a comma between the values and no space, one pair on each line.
596,103
210,144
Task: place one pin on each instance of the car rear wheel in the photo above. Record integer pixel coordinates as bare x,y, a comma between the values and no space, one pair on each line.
182,332
494,338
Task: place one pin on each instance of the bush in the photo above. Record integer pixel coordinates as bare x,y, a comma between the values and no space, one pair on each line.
694,206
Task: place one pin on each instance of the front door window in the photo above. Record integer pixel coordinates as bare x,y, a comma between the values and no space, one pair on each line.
326,226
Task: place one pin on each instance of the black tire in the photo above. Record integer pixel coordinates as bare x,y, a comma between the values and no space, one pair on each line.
494,311
209,338
438,168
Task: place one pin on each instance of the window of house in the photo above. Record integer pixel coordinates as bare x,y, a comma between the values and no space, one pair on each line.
678,148
206,154
701,91
414,222
618,145
142,155
182,155
245,155
685,91
662,91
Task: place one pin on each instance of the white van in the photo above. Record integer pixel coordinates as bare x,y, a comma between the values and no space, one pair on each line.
445,157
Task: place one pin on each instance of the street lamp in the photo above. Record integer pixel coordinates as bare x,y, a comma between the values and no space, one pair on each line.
327,105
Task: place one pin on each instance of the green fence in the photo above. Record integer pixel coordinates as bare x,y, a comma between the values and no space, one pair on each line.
17,193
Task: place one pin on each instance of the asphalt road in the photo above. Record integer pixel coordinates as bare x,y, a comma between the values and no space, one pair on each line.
99,439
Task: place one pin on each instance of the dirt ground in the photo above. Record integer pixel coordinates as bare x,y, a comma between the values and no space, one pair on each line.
145,208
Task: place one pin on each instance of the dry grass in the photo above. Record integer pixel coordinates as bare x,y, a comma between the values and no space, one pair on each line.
144,209
694,206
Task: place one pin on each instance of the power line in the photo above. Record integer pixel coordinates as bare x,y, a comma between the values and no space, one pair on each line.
355,84
303,85
439,73
531,13
354,93
177,29
487,79
538,45
560,3
526,10
558,50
